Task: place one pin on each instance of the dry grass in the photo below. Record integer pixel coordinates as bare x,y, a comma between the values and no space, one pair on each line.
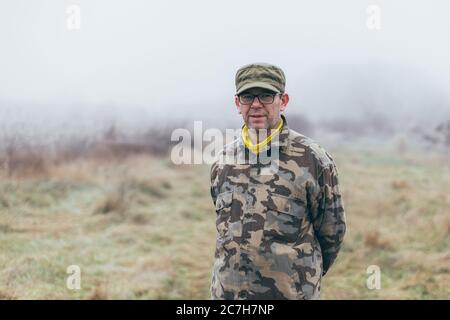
372,239
141,228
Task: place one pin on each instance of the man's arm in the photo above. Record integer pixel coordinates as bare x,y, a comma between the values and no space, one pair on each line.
328,214
213,174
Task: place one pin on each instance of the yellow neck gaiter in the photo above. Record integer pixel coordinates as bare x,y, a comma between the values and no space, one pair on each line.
255,148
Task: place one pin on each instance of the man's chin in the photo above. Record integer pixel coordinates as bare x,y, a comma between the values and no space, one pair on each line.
257,124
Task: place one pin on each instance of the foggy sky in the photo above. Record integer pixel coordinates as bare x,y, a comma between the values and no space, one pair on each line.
168,59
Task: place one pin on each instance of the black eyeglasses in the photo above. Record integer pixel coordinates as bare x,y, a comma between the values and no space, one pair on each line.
264,98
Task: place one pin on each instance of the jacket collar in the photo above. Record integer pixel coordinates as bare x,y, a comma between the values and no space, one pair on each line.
281,140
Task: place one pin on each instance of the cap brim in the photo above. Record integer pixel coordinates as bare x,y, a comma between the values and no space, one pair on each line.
263,85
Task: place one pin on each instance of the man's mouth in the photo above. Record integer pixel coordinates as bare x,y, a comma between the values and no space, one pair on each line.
256,116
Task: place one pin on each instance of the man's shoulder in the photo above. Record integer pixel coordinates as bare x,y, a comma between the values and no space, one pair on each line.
311,147
229,149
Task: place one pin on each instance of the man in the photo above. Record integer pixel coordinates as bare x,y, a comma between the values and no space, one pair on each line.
280,227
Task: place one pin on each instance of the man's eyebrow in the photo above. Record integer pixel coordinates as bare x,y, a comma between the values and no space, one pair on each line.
258,92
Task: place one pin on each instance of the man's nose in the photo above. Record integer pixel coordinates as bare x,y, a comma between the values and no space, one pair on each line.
256,103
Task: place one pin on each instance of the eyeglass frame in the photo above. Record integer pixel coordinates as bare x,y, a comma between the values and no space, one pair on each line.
257,96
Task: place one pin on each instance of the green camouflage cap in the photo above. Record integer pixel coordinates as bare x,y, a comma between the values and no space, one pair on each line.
260,75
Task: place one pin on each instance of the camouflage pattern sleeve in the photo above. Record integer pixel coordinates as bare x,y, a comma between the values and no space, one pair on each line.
328,214
213,174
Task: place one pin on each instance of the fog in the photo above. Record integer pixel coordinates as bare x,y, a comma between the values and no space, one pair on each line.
141,62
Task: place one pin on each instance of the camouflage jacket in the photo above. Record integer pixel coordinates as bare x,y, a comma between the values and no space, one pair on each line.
279,231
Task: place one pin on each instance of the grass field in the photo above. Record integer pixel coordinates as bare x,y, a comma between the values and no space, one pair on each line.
143,228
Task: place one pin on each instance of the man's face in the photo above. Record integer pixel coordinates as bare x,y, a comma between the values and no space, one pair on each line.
259,115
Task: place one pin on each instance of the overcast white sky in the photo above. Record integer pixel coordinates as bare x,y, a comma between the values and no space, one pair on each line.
178,58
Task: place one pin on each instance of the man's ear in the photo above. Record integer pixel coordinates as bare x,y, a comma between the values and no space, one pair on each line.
236,102
284,101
